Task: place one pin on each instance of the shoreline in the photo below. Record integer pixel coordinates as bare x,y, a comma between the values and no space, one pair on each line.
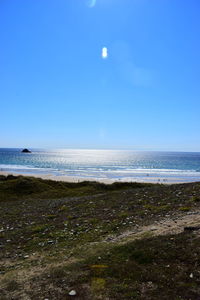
74,179
64,178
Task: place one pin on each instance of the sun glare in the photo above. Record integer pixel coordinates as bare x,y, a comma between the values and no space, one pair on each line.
104,53
91,3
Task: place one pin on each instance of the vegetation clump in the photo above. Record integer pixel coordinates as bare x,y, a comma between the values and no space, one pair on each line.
119,241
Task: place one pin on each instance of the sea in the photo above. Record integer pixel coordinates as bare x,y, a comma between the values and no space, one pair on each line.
104,165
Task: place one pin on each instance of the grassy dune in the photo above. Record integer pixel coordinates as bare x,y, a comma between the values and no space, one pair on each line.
98,240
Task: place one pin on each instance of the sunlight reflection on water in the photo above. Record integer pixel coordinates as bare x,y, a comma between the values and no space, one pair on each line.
105,164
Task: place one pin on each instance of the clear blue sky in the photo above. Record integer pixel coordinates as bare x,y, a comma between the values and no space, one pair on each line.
57,91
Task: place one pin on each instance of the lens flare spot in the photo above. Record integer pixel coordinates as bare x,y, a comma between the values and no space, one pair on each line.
104,53
91,3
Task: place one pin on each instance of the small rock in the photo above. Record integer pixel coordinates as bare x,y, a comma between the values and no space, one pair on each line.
26,256
50,242
191,275
72,293
153,228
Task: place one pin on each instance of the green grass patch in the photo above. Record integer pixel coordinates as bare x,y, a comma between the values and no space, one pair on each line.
185,208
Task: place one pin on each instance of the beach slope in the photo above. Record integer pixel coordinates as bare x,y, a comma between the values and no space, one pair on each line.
90,240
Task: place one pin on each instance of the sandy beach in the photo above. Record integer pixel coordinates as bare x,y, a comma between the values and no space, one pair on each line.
66,178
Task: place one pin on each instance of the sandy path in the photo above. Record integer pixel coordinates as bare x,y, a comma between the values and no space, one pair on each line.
163,227
166,226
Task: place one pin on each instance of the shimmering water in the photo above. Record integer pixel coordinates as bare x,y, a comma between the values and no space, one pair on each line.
105,164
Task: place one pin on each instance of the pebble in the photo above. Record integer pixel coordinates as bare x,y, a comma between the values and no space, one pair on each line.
50,242
191,275
153,228
72,293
